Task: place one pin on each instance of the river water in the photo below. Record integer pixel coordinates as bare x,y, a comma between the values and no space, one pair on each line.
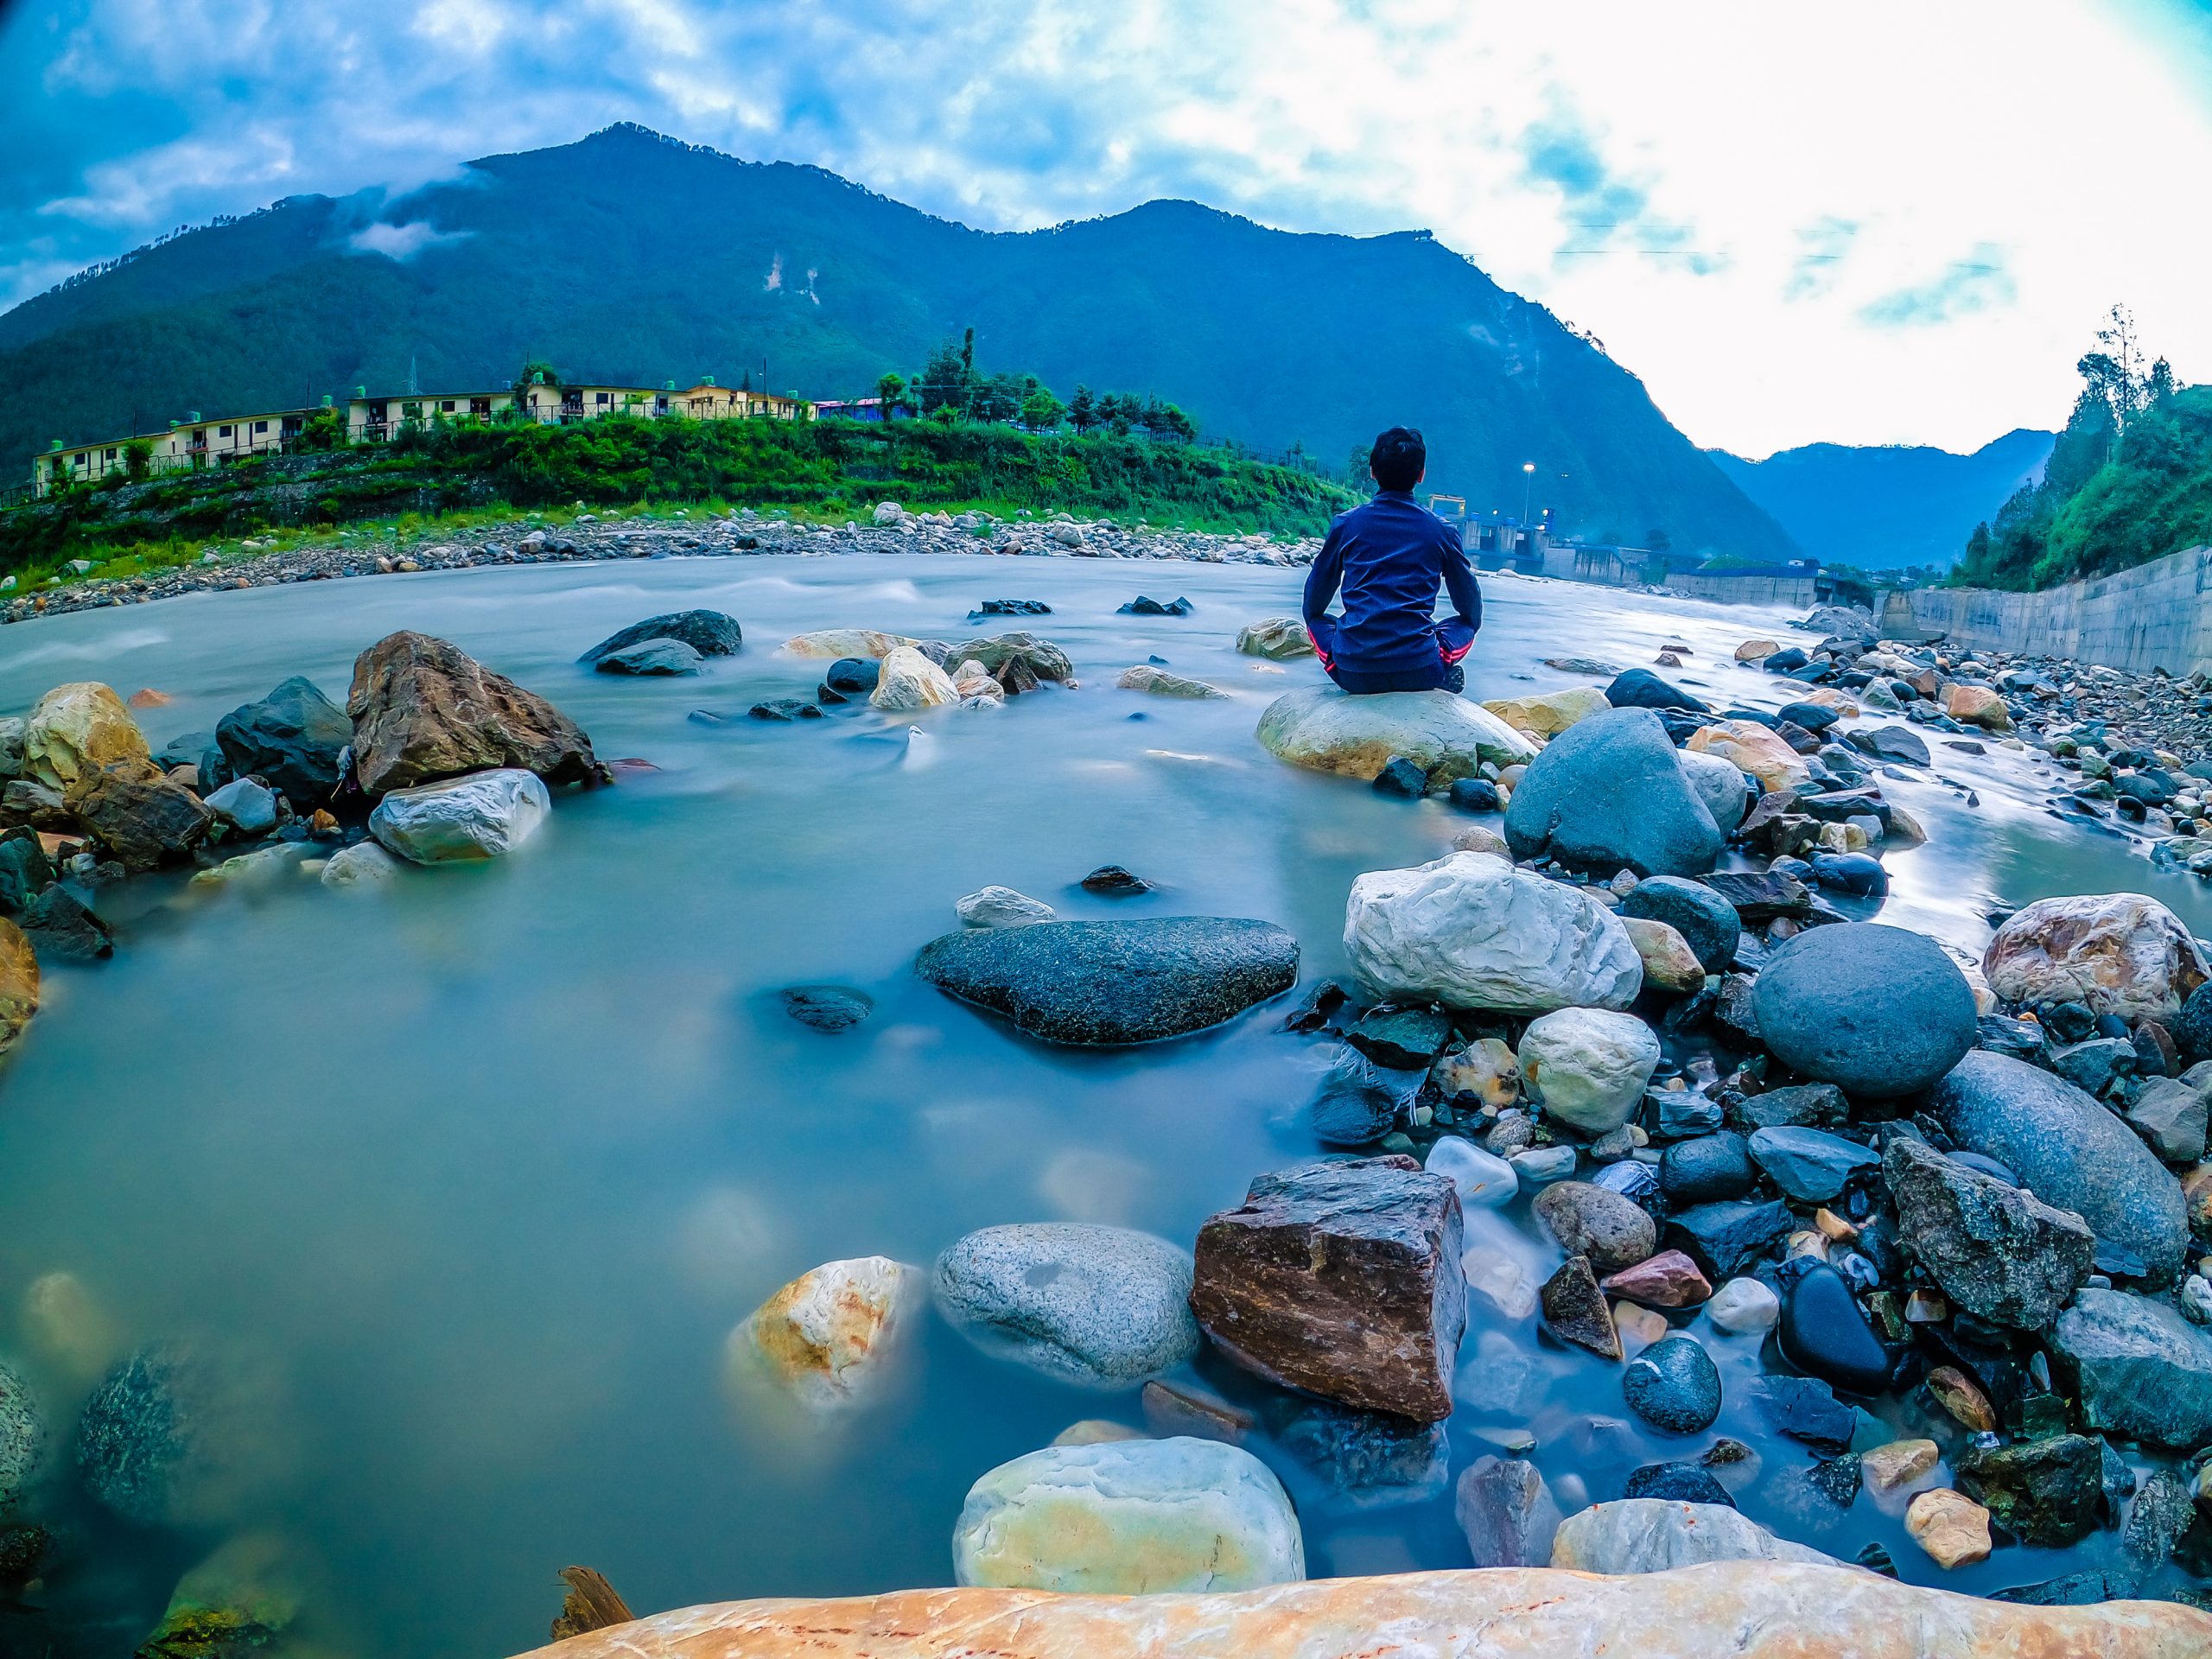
472,1177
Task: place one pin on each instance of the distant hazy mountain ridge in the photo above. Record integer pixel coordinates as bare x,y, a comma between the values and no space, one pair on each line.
630,257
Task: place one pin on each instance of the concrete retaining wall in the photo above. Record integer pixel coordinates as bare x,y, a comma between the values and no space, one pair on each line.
2157,615
1745,590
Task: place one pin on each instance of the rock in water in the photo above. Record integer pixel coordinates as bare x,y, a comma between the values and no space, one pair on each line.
1824,1333
2047,1493
1809,1166
1575,1311
365,865
1608,794
21,1436
1096,1306
1551,713
18,985
1589,1066
836,643
1471,931
997,906
1750,746
1878,1011
1588,1220
1129,1518
1358,1103
150,1436
2143,1371
1507,1512
827,1008
424,710
911,683
1639,688
651,658
1722,1237
1707,922
247,807
60,926
74,731
1719,784
1707,1169
1014,660
1483,1179
484,815
2119,953
294,738
1673,1385
1095,983
139,815
709,634
1342,1279
1651,1535
2001,1254
823,1337
1283,638
1449,738
1146,677
2069,1151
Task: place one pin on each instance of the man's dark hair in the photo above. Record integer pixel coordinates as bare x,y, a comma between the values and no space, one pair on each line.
1399,458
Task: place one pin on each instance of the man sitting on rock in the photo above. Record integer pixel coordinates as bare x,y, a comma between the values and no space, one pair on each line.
1389,558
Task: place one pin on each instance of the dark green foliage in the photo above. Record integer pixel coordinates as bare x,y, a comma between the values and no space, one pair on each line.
631,259
830,466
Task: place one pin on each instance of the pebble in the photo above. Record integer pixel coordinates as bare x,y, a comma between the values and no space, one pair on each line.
1673,1385
1743,1308
1483,1179
1951,1526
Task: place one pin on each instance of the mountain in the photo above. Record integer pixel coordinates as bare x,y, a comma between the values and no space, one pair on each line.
629,257
1879,508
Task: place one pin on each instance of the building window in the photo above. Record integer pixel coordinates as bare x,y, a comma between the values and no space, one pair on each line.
107,454
260,426
222,432
604,398
446,408
478,406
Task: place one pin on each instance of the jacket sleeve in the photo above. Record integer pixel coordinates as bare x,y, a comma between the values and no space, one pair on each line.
1459,582
1321,581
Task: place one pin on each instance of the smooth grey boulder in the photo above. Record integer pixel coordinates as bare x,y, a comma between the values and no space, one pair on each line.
1877,1011
2070,1152
2143,1370
294,738
1098,1305
1720,784
1707,922
1105,983
1607,794
651,656
710,633
478,815
1507,1511
1651,1535
1809,1164
21,1435
2001,1254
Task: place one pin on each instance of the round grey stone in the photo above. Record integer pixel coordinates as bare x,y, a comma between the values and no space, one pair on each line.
1877,1011
1706,920
1101,1306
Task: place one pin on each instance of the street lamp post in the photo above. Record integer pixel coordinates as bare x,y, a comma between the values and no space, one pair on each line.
1528,485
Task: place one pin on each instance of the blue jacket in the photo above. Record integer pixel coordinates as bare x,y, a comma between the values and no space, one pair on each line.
1389,557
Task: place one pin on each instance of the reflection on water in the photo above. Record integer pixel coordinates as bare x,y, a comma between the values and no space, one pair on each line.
482,1170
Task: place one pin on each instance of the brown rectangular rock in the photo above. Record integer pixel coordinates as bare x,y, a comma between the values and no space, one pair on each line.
1342,1279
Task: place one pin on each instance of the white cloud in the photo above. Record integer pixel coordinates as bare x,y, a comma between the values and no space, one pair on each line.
402,242
1881,222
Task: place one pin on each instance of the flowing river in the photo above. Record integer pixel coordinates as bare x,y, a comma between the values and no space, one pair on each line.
472,1176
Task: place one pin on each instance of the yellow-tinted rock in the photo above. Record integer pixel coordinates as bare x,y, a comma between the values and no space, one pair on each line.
1827,696
1485,1069
2120,953
1757,650
1977,705
822,1335
1549,714
18,985
2197,1193
1961,1396
1750,746
74,731
1669,965
68,1328
1739,1609
1950,1526
832,643
1096,1430
1898,1464
1476,839
911,683
1639,1328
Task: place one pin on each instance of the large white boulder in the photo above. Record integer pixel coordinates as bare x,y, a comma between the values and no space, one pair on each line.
482,815
1653,1535
911,683
1472,931
824,1337
1328,730
2121,953
1589,1066
1130,1517
74,731
846,642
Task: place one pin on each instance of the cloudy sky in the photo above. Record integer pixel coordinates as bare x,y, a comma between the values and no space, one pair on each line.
1868,223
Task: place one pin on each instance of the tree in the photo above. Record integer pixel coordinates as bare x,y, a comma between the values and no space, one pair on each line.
1658,541
968,352
997,399
1083,411
537,372
890,391
1041,410
1978,545
138,459
322,431
2160,386
942,383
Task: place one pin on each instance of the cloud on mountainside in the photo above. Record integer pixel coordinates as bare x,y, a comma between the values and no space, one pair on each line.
1754,204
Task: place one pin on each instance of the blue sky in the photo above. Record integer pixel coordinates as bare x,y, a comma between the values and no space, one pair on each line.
1877,222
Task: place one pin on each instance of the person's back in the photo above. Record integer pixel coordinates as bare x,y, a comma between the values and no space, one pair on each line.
1389,558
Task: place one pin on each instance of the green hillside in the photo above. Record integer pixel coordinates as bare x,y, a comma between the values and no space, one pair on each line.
633,258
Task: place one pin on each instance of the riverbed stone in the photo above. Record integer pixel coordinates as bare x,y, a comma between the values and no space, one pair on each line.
1723,1236
1575,1310
1680,1483
707,633
2144,1371
1324,729
1607,794
1483,1179
294,739
1486,1072
1548,714
1589,1066
1806,1409
1708,1169
1669,965
76,730
1750,746
364,865
1824,1333
2070,1152
1017,660
153,1434
836,643
1113,982
1651,1535
1507,1512
1342,1279
1878,1011
1100,1306
1279,638
2123,954
247,807
1588,1220
422,709
19,988
1719,785
2002,1254
824,1336
1809,1165
2171,1114
1146,677
1668,1279
1673,1385
997,906
139,816
2047,1493
62,927
1406,1038
1951,1526
23,1435
1706,921
652,659
1743,1308
911,683
1129,1518
483,815
1358,1102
